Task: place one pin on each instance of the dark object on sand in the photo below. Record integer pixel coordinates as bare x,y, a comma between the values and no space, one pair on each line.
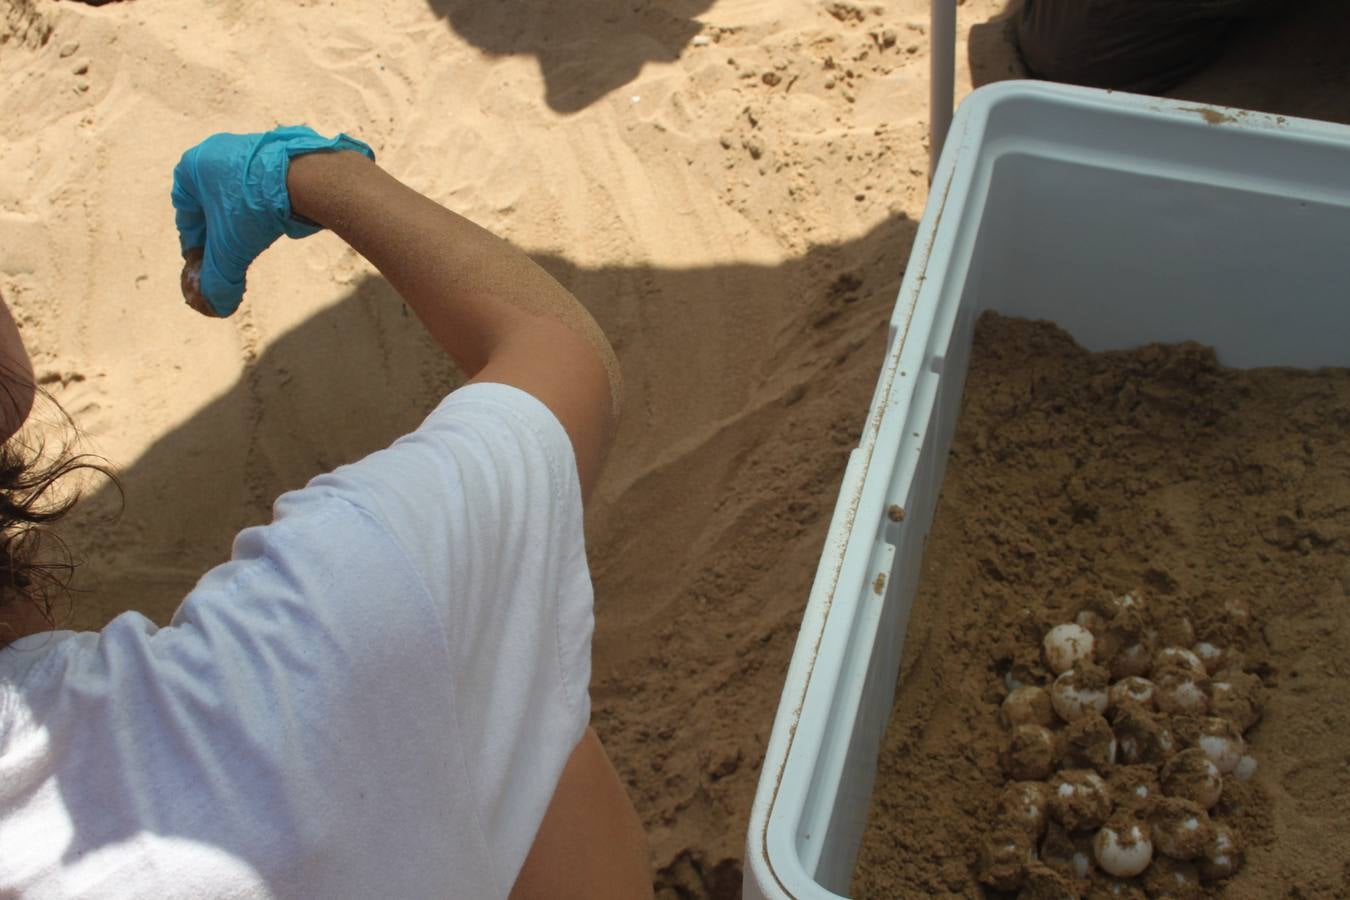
1144,46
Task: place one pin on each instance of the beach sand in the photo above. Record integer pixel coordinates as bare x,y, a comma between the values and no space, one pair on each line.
730,187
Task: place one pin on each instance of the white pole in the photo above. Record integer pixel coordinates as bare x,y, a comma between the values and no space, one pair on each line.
942,81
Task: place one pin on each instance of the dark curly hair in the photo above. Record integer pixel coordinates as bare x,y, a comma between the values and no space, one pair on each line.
36,566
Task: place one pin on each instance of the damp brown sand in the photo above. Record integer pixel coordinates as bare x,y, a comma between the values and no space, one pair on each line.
1076,475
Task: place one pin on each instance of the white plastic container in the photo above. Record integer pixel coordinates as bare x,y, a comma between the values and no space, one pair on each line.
1125,220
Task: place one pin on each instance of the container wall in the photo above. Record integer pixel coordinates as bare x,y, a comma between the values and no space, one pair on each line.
904,482
1121,250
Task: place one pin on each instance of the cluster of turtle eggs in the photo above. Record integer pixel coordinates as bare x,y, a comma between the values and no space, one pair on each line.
1118,763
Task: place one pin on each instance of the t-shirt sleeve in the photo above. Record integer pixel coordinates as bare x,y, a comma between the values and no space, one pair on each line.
485,503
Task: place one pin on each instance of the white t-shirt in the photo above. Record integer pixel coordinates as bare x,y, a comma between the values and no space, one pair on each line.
374,697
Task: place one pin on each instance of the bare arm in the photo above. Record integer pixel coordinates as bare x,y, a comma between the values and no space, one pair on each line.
499,316
590,845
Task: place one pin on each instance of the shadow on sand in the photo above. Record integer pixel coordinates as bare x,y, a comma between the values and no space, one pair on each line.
585,48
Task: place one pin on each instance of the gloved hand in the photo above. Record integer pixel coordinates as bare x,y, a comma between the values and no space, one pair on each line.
231,203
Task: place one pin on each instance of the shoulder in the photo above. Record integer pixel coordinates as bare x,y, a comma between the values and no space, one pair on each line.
504,413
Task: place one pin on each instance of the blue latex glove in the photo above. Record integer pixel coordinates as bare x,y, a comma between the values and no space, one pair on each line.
231,203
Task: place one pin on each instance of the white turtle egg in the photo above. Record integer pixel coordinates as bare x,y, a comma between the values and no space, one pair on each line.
1222,743
1222,856
1123,848
1090,620
1133,689
1181,691
1211,656
1181,829
1172,657
1073,699
1192,775
1028,705
1131,601
1066,646
1133,659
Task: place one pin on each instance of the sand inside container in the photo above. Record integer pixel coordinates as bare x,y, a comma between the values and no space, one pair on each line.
1076,475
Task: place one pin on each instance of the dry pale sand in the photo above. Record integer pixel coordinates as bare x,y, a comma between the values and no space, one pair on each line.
731,187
